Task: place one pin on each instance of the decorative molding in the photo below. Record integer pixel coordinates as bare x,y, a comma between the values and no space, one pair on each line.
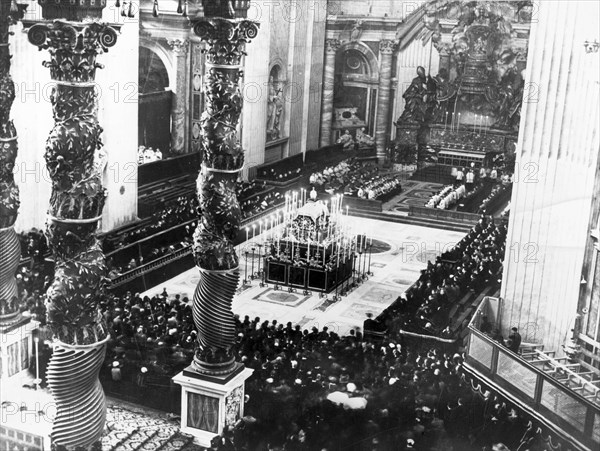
73,47
387,46
179,46
332,45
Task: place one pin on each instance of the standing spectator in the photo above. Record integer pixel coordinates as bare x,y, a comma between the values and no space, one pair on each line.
515,340
470,180
460,175
494,174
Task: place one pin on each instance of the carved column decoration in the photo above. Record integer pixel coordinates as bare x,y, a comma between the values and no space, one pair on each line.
178,129
9,191
223,159
386,50
74,158
331,48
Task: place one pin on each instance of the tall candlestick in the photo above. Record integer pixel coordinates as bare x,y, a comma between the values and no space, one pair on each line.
458,123
247,230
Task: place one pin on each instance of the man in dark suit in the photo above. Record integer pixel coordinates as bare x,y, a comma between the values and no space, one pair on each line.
515,340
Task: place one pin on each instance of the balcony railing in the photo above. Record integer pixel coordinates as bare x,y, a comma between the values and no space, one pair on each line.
540,390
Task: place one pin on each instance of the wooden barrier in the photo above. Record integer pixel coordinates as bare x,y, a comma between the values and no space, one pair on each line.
357,203
443,215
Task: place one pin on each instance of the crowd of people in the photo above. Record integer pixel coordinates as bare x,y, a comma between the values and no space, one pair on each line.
468,191
352,178
311,389
472,264
497,192
33,245
148,154
314,389
446,197
280,174
178,211
261,202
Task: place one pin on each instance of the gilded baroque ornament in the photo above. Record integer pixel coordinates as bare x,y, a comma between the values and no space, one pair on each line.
223,159
74,160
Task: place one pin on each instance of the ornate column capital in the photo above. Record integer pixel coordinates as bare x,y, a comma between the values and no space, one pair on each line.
179,46
332,45
73,47
387,46
226,38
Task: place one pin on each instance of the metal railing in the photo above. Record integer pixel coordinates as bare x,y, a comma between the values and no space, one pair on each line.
540,393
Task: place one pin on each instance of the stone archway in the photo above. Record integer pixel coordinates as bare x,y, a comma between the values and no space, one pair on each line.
356,76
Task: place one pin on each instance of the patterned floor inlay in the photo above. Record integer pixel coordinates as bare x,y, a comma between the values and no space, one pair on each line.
379,296
399,252
281,297
358,311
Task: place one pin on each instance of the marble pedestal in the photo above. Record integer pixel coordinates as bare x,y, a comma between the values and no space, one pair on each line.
209,403
16,347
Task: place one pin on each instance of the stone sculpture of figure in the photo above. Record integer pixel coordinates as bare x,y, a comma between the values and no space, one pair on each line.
346,140
364,140
274,110
444,91
356,31
416,98
509,106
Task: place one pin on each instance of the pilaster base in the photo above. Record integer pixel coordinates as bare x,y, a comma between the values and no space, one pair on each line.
209,403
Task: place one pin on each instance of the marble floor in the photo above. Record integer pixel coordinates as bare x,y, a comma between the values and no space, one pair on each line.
414,192
403,250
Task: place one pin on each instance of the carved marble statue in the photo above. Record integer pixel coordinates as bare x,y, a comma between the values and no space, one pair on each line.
419,98
364,140
346,140
356,31
274,110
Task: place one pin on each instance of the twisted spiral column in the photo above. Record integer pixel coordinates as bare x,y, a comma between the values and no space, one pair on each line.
10,249
73,377
223,159
75,158
9,262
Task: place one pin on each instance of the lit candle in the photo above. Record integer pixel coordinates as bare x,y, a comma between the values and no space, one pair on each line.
458,123
247,230
253,230
260,227
37,362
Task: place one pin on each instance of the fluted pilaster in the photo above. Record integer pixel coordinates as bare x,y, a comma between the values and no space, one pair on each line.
557,156
180,49
75,158
331,48
386,50
223,159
